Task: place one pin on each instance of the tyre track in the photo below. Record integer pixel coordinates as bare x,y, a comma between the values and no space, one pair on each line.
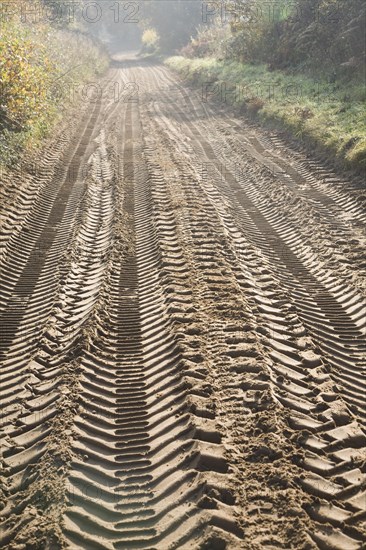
345,231
227,340
310,198
326,187
136,463
21,184
304,287
181,388
331,427
37,425
31,390
30,268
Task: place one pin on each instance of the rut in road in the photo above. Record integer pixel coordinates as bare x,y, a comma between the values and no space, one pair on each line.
182,361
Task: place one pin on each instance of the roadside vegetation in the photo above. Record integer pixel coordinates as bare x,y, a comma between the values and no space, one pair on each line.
331,116
41,65
298,65
295,64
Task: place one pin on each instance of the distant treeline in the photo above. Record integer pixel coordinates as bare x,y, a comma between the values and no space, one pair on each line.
282,33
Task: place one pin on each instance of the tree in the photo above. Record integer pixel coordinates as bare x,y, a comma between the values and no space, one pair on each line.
174,21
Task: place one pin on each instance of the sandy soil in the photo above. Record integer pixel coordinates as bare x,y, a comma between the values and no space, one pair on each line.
183,322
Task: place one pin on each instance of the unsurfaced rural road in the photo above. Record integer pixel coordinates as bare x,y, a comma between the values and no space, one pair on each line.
183,333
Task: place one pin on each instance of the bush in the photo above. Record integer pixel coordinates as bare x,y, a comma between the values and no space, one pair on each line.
37,72
210,40
254,105
150,40
175,21
312,35
25,76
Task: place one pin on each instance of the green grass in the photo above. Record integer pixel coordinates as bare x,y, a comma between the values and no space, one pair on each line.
329,117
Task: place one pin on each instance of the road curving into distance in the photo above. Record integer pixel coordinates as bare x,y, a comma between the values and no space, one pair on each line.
183,334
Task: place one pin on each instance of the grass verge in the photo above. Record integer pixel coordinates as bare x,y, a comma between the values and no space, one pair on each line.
329,117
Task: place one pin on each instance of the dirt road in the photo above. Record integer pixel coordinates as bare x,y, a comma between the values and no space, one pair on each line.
183,322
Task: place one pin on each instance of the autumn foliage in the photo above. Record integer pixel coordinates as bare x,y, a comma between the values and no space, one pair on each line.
39,63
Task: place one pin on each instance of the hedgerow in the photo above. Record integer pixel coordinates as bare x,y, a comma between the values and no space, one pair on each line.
39,65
